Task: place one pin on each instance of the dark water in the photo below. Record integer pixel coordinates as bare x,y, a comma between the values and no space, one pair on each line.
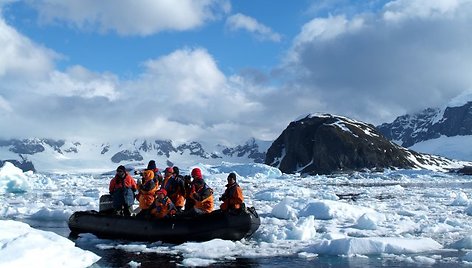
121,258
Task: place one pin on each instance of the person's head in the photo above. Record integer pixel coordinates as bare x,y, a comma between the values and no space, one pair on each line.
148,175
197,174
168,172
121,171
151,165
231,178
161,193
176,171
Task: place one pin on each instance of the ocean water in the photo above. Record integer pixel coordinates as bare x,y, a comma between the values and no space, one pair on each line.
426,196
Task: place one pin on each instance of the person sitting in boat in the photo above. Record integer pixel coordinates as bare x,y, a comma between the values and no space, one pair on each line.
122,188
233,196
147,188
157,173
175,188
189,202
201,194
163,206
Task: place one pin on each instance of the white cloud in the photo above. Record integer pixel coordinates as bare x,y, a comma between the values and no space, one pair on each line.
242,22
19,56
127,17
371,69
187,76
78,81
409,9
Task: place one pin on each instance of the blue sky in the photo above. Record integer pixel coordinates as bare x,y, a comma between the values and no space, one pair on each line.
223,71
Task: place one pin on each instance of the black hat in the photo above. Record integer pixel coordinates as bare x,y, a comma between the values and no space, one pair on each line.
121,168
151,165
176,170
232,175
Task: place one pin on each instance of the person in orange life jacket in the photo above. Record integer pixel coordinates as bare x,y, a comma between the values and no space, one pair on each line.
122,188
147,188
201,194
157,174
163,206
174,187
233,196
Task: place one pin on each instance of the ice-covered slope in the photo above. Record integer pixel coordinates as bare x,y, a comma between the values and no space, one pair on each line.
49,155
443,131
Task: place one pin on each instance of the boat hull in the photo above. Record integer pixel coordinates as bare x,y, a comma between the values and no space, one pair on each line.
218,224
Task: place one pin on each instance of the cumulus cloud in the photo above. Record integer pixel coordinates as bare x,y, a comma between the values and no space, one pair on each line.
127,17
242,22
19,56
78,81
187,87
405,9
408,56
180,96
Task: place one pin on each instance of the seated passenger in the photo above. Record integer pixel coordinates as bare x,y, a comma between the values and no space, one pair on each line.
157,174
122,188
147,188
174,185
163,206
201,195
233,195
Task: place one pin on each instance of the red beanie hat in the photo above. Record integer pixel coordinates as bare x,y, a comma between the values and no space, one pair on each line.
162,191
197,173
169,170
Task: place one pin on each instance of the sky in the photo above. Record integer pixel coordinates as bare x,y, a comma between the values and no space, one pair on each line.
223,71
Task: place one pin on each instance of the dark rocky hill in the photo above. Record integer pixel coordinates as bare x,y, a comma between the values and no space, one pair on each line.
324,143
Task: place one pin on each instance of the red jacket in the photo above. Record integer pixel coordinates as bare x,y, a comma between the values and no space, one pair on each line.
117,183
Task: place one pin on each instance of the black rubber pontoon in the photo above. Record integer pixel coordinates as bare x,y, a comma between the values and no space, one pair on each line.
218,224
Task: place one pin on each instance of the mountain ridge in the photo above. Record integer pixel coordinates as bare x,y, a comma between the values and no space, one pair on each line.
55,155
446,131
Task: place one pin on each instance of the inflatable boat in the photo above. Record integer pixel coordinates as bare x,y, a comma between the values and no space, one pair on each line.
177,229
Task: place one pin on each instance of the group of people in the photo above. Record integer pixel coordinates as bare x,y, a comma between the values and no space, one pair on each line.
161,196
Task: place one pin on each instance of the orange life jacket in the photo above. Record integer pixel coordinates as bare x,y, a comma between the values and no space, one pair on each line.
162,208
205,202
175,190
147,193
234,197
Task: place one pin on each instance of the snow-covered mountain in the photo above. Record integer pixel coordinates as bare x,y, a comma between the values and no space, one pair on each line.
50,155
444,131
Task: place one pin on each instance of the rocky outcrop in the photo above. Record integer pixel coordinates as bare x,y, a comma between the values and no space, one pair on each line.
324,144
250,149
